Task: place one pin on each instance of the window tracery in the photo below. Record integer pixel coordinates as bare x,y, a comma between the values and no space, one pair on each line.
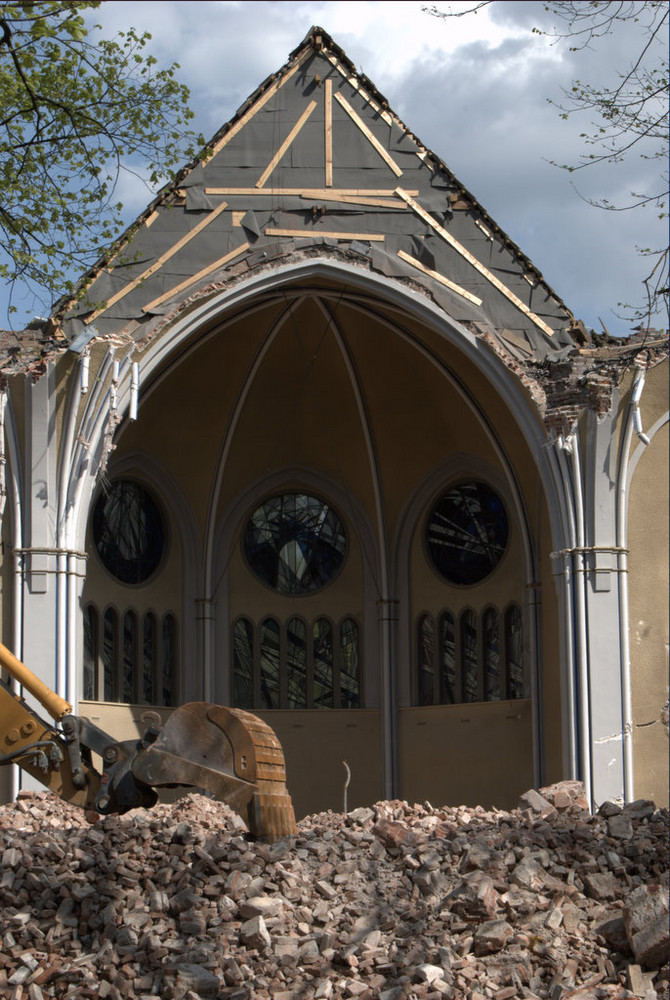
296,665
128,532
294,543
480,660
123,660
466,533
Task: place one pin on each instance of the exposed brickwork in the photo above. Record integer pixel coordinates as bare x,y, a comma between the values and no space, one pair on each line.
584,380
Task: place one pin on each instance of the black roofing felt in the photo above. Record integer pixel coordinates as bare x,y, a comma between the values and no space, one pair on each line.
423,218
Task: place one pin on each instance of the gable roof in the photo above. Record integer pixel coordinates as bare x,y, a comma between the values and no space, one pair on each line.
316,159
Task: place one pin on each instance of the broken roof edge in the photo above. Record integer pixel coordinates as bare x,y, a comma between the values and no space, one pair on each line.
316,39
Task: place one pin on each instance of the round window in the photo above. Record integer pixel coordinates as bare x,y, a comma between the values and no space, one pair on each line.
467,533
294,543
128,532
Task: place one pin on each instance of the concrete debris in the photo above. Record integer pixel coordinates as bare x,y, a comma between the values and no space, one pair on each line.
392,902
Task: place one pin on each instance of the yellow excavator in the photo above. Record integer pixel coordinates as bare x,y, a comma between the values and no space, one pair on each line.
227,752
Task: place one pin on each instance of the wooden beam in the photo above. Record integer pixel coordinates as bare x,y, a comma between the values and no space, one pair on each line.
328,132
306,233
354,199
308,192
196,277
256,106
285,144
496,282
372,139
158,263
439,277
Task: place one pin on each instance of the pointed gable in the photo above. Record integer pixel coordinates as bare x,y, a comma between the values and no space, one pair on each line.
315,160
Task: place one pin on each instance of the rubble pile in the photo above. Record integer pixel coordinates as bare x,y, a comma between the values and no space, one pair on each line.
392,901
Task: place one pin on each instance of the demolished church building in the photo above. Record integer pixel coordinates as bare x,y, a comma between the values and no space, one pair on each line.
318,440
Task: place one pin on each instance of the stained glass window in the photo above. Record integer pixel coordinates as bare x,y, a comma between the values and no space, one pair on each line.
128,668
294,543
122,658
296,665
481,660
447,659
467,533
128,532
514,652
350,681
322,636
148,658
109,654
243,664
270,664
492,685
469,665
90,653
426,660
169,658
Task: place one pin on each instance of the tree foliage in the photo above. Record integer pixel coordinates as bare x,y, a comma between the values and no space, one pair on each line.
75,110
627,118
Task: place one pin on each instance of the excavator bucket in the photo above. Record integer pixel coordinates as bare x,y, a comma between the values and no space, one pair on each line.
230,753
226,751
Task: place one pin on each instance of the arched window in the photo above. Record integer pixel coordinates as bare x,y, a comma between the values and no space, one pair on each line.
129,658
243,663
292,672
514,652
322,658
109,655
270,663
426,652
492,679
458,676
149,659
447,660
168,673
350,679
131,668
91,639
469,657
296,663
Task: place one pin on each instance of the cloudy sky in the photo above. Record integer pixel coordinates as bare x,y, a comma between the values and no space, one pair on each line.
475,89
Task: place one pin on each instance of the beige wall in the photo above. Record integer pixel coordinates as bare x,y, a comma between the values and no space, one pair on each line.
648,594
474,754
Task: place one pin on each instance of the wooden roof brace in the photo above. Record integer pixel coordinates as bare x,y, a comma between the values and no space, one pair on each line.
285,144
221,262
439,277
328,131
157,264
305,234
496,282
372,139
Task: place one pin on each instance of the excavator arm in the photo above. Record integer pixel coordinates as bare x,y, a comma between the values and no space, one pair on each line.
225,751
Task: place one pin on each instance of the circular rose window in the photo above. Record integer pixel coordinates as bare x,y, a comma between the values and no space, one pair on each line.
128,532
466,533
295,543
